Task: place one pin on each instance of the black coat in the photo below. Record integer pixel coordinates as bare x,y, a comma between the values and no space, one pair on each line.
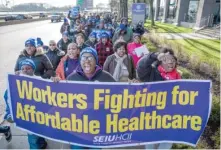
83,46
43,65
147,68
55,57
100,75
63,46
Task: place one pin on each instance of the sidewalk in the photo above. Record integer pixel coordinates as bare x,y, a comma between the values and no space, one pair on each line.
180,36
20,141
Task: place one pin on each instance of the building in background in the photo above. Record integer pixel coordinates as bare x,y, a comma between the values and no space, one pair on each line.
85,4
188,13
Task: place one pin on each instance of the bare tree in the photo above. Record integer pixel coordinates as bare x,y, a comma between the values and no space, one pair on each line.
151,13
123,8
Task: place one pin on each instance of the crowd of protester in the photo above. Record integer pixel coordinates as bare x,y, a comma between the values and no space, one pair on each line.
92,48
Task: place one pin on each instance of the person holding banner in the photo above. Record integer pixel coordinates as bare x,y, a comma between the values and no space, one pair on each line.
44,67
120,65
68,63
158,67
89,69
27,67
104,48
132,46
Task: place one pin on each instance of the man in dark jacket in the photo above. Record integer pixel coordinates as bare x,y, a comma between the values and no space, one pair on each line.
43,65
54,54
64,42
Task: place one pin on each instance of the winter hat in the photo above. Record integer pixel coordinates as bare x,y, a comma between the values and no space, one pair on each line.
122,27
65,20
104,35
39,42
122,19
136,34
30,41
93,34
91,51
28,62
65,33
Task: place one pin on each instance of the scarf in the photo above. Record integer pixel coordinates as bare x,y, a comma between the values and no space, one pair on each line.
119,66
173,75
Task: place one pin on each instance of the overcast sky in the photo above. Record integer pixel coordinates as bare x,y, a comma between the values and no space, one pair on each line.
56,2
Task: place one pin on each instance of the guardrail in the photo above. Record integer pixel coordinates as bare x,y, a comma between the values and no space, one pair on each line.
34,14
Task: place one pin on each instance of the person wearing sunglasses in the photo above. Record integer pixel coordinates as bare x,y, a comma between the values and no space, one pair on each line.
43,65
54,54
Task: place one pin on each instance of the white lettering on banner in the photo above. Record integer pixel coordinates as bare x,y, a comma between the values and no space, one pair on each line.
113,138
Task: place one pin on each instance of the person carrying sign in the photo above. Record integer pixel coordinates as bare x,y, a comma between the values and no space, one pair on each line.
132,46
104,48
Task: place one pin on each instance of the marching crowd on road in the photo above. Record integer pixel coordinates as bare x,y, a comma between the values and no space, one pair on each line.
93,48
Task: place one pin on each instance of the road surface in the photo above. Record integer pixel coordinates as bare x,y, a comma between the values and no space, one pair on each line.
12,39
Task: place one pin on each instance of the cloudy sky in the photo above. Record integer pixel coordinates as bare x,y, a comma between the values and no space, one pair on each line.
56,2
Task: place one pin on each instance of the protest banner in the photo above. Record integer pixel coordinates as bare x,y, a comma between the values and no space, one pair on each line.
106,114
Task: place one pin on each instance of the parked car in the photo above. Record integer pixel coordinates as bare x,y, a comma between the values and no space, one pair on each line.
10,17
20,17
28,17
43,15
56,17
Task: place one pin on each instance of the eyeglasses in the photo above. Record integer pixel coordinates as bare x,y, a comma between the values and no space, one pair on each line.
52,44
89,58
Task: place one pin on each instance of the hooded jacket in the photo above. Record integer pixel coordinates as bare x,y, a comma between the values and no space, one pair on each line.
100,75
43,65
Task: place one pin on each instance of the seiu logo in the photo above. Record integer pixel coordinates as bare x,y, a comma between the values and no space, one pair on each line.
113,138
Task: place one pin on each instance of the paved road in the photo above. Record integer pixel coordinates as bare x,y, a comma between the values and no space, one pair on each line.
12,43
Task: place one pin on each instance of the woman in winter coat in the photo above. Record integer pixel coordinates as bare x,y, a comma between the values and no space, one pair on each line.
43,65
120,65
132,46
69,62
54,54
158,67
